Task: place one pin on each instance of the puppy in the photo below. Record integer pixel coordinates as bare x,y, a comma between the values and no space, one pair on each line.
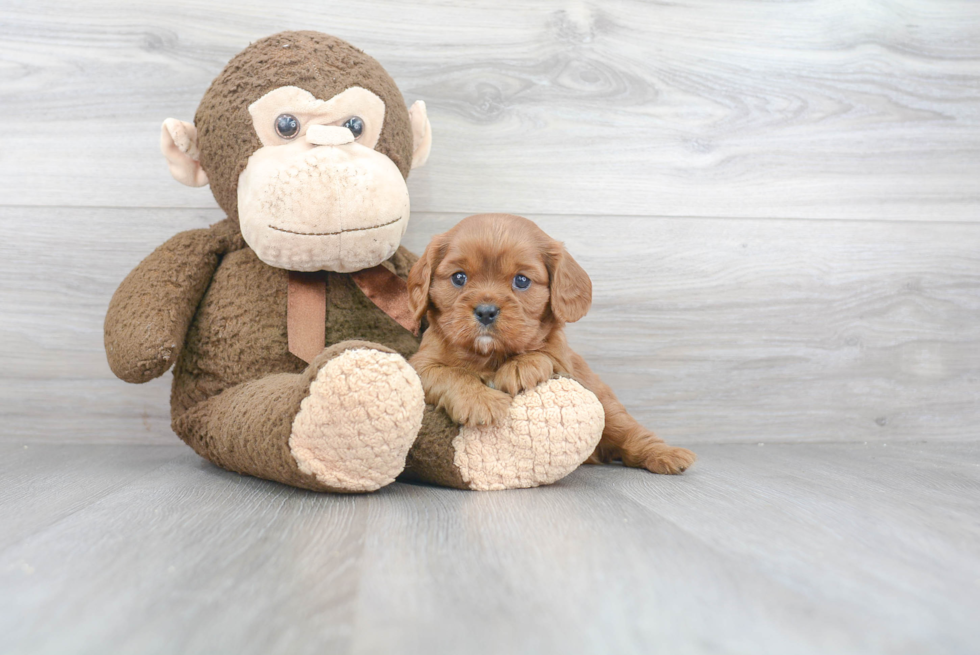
497,292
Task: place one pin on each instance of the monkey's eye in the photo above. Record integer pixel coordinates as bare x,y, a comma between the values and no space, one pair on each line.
287,126
521,282
458,279
355,125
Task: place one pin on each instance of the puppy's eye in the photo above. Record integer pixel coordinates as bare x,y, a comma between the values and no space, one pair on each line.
355,125
287,126
458,279
521,282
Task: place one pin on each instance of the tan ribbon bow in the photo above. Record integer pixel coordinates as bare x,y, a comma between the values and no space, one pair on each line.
306,316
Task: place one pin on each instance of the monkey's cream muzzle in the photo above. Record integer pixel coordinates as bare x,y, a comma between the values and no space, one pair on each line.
337,207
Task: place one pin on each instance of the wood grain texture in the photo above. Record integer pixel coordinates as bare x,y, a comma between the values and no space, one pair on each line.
44,487
778,549
183,546
695,108
709,330
712,326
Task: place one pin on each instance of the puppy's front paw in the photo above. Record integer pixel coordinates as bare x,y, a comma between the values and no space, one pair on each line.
489,407
670,460
522,373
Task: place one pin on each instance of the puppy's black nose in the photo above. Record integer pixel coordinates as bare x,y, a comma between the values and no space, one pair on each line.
486,314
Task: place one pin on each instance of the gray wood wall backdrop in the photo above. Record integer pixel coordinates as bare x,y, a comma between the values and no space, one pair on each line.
777,201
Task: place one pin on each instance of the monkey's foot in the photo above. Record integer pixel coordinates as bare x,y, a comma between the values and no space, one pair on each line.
363,413
550,430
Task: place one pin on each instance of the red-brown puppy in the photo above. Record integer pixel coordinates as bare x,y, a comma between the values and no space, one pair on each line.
498,291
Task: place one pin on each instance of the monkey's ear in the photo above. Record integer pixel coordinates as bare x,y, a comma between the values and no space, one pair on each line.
178,143
571,287
421,134
420,277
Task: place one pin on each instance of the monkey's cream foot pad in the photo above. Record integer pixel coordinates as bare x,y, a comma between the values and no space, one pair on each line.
549,432
363,413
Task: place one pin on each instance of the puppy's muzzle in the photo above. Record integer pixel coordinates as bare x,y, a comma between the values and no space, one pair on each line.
486,314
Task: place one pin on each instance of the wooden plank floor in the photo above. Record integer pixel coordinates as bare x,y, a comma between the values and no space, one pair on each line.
800,548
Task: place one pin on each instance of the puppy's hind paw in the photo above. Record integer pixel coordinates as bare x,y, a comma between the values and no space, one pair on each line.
669,460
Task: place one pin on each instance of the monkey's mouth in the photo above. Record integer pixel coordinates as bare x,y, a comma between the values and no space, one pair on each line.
327,234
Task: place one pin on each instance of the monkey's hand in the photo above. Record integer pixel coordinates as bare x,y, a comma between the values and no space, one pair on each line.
523,372
151,310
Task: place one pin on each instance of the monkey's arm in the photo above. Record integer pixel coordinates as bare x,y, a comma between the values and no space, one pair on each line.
151,310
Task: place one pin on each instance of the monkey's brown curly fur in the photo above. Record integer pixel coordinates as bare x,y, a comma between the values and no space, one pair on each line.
204,303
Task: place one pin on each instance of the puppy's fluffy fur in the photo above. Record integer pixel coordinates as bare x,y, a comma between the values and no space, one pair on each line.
473,370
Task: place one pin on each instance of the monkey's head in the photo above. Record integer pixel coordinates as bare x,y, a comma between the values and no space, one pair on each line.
307,142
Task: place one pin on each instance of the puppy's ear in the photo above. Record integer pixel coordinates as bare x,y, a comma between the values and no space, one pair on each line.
571,288
420,277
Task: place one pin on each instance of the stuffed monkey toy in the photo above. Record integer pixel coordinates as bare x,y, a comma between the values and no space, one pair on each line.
288,323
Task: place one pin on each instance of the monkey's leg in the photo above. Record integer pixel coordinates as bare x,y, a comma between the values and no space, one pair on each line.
548,433
344,424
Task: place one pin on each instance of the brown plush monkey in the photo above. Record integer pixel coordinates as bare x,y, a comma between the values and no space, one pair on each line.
288,322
